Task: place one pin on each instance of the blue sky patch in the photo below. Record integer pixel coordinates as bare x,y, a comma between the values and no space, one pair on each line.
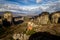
30,6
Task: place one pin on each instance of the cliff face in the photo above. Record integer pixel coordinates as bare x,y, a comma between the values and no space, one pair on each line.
46,18
43,18
40,23
55,17
8,16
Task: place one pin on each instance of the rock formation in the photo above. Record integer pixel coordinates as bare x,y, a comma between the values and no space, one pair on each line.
7,19
55,17
43,18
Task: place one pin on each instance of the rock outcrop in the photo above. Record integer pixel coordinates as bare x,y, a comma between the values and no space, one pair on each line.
55,17
43,18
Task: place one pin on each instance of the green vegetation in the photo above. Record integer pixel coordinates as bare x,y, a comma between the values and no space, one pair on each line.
29,32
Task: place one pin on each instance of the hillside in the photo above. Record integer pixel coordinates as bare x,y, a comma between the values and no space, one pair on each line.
40,23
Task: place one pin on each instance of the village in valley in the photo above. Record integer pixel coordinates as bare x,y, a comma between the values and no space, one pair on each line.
21,27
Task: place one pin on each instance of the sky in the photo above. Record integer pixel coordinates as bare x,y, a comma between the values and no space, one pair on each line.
30,6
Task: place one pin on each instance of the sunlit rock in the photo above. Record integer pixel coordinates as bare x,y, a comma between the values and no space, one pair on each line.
43,18
8,15
55,17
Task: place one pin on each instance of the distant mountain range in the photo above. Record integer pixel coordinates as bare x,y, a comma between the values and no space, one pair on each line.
19,14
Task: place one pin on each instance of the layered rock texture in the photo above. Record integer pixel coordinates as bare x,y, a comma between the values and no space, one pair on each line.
44,22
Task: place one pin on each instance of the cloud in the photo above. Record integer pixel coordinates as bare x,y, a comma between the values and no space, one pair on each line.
50,7
38,1
32,9
18,8
54,6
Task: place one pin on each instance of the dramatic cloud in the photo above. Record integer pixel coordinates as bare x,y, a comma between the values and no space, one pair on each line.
20,7
53,6
38,1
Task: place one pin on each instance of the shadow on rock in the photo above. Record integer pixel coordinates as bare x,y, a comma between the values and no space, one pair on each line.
43,36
